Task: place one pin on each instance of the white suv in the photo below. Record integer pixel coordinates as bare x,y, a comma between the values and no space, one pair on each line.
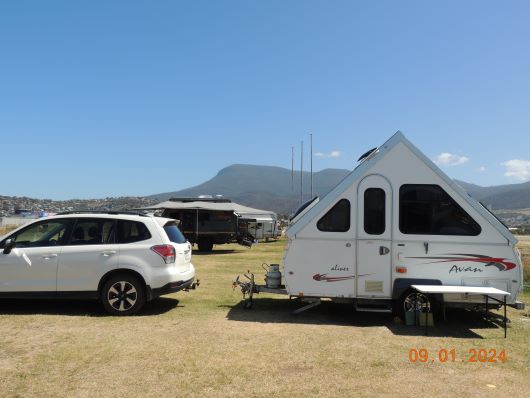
121,259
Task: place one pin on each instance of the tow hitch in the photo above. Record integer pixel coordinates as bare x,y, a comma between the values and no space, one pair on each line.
193,286
249,286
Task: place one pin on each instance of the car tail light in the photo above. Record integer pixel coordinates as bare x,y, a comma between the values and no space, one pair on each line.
167,252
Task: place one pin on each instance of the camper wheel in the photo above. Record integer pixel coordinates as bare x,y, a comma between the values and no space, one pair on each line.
411,298
205,245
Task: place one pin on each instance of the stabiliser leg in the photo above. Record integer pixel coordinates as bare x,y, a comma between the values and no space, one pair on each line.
312,304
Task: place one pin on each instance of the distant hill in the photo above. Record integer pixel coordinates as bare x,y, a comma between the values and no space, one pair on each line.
512,196
269,187
264,187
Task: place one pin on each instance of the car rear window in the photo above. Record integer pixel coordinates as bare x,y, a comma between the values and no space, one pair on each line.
132,231
174,234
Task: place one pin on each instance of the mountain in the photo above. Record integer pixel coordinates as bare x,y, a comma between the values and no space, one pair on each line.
471,189
270,187
511,196
263,187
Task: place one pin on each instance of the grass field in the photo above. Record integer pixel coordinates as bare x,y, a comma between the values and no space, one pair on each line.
5,230
204,344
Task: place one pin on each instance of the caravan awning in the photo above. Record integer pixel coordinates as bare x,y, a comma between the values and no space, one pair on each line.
239,210
257,217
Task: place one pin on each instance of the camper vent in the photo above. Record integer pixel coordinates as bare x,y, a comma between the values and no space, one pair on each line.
373,286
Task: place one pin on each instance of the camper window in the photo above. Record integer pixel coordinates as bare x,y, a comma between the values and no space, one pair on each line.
374,211
337,219
429,210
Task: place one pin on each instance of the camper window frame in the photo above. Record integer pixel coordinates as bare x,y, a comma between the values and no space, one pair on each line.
477,227
347,225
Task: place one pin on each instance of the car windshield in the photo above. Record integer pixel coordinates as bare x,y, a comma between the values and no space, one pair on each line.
40,234
174,234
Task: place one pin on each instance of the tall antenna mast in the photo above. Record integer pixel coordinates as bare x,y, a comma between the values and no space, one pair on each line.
302,172
311,138
292,168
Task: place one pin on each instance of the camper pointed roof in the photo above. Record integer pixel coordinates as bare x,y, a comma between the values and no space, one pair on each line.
367,161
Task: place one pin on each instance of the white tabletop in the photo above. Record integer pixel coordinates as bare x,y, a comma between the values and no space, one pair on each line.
459,289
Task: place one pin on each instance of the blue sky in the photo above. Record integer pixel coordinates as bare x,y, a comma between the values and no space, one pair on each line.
112,98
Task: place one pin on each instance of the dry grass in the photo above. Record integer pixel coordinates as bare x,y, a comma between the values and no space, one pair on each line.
522,211
6,229
524,241
203,344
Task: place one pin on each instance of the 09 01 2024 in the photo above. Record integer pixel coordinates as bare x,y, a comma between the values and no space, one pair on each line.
443,355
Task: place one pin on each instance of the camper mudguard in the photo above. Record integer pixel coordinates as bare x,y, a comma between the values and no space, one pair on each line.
401,285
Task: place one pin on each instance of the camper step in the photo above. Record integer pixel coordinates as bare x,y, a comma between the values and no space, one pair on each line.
373,309
369,305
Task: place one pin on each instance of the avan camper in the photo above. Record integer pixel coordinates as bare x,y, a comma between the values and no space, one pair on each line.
396,221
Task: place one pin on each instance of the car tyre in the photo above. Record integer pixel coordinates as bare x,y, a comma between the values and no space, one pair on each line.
123,295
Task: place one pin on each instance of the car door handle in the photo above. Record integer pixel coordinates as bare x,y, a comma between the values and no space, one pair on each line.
49,256
383,250
108,253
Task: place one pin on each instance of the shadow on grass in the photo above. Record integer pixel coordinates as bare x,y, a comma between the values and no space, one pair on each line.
459,322
89,308
213,252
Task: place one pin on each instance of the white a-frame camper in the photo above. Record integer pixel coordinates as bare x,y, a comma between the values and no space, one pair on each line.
397,220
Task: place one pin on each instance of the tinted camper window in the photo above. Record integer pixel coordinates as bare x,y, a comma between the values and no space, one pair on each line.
374,211
429,210
337,219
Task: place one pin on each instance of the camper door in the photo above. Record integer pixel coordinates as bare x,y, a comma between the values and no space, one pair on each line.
374,233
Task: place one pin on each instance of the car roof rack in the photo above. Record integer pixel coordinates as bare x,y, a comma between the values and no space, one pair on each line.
126,212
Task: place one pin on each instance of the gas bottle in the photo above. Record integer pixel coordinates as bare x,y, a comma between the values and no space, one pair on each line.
273,277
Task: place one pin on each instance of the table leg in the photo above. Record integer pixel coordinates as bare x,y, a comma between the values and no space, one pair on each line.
505,319
426,320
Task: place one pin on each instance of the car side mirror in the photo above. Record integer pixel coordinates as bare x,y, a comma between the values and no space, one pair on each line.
9,245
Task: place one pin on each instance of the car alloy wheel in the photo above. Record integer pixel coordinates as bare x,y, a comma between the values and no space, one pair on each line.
122,296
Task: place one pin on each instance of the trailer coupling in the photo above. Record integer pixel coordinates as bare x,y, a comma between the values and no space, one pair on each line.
248,287
193,286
